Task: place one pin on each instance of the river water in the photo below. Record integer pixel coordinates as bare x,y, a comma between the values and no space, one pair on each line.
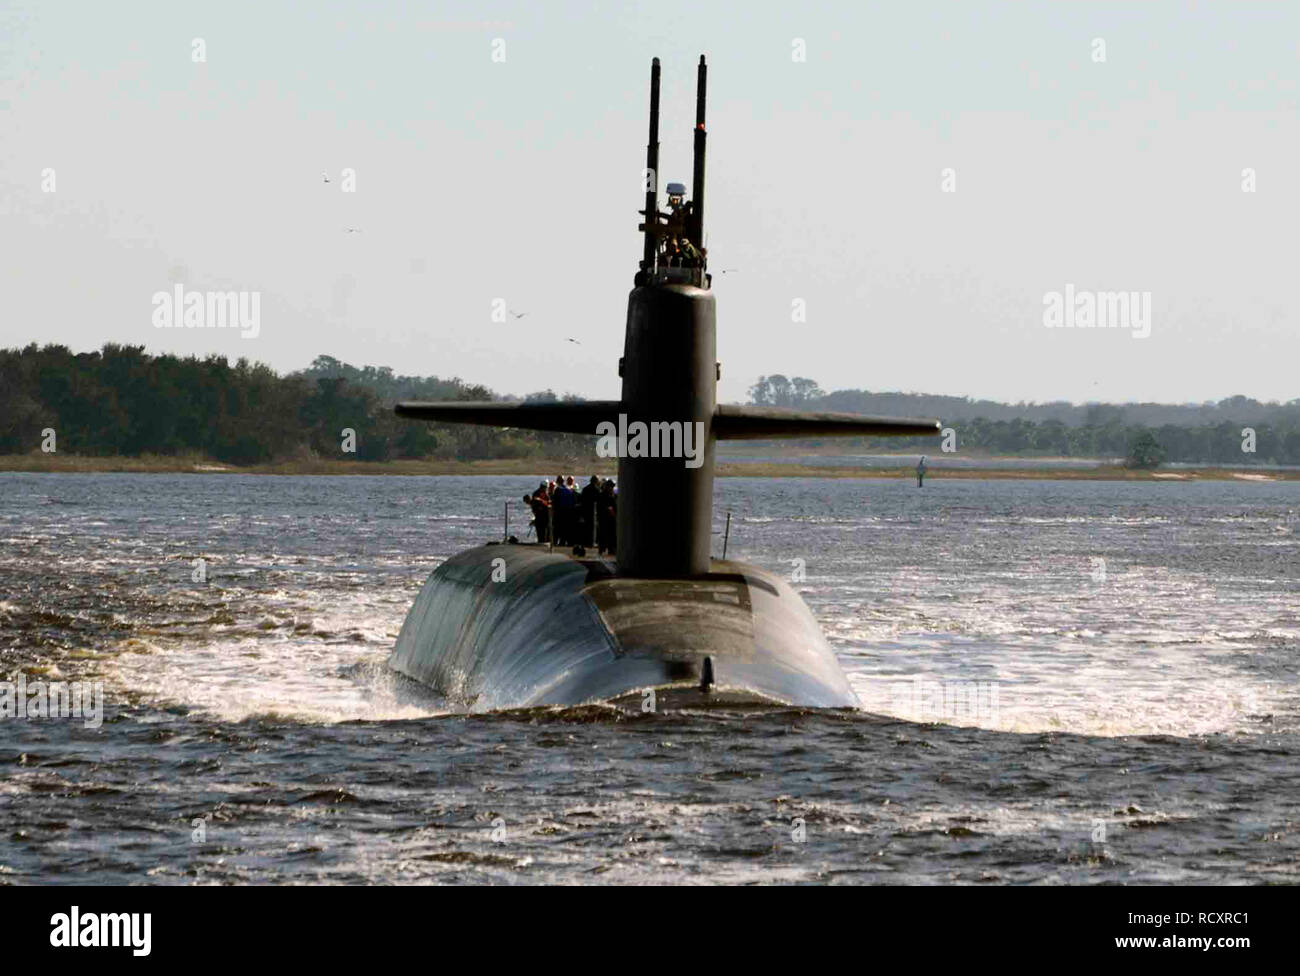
1062,681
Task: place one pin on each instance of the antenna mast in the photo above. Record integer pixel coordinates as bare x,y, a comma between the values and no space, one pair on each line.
651,224
697,176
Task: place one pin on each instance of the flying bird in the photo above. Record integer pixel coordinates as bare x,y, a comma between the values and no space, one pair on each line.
325,177
352,230
574,341
518,315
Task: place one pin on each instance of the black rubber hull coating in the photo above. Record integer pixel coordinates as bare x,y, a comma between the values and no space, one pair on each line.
543,628
569,418
665,504
740,423
730,422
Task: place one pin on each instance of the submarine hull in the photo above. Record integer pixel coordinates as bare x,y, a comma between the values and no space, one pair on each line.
505,626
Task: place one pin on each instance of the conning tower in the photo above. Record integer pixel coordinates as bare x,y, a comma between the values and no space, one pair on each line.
670,373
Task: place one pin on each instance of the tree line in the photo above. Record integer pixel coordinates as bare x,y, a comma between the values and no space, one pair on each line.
800,392
1236,430
1222,443
123,401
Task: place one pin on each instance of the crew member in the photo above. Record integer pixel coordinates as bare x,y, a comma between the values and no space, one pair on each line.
607,518
690,254
588,501
541,514
563,504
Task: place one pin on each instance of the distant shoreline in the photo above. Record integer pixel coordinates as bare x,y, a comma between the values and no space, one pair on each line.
157,464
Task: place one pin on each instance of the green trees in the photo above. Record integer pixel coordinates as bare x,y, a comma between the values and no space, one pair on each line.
1205,433
122,401
1144,451
778,391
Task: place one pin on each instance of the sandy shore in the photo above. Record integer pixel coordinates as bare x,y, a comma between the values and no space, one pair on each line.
515,466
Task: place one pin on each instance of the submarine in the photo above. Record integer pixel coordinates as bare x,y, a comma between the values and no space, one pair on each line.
509,624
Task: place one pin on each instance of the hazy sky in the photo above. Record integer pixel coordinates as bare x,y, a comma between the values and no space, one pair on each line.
519,180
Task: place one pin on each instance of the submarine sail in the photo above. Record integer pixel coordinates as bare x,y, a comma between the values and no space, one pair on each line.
515,624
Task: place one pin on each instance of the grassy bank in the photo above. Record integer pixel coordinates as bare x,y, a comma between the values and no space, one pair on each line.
158,464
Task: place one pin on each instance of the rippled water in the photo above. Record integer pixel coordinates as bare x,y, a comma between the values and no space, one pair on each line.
1040,663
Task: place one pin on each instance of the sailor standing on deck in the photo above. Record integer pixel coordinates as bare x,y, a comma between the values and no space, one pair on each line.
563,507
588,501
541,513
607,518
